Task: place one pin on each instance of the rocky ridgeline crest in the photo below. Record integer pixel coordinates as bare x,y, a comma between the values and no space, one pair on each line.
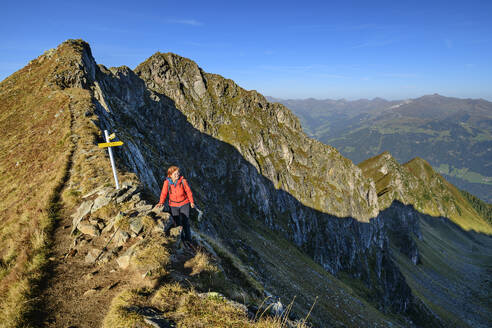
266,134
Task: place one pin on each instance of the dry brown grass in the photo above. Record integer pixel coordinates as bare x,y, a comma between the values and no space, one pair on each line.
35,119
152,256
201,262
42,125
120,313
186,308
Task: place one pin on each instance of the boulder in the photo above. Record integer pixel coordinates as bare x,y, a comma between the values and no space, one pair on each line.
127,195
137,197
92,255
88,229
143,206
115,193
82,211
94,221
109,226
106,191
100,201
124,260
121,238
93,192
136,225
278,308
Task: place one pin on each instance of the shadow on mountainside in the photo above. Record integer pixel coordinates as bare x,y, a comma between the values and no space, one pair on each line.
234,194
446,266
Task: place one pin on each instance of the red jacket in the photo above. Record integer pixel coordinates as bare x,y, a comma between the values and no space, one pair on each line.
180,192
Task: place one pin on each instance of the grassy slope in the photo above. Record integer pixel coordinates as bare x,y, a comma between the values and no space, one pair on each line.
445,193
453,278
35,148
42,130
295,275
416,183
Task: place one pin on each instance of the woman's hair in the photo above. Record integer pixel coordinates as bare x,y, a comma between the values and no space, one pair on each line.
171,170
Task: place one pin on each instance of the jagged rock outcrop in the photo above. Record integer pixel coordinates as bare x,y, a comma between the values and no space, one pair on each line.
273,172
266,134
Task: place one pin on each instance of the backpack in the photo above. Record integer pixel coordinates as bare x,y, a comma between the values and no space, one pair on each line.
169,184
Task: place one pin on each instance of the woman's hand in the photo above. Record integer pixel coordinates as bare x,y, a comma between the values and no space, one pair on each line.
159,205
192,205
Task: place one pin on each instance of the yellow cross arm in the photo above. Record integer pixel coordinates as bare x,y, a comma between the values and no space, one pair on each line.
110,144
112,136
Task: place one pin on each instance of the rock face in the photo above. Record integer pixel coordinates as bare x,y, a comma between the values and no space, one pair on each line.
267,135
246,159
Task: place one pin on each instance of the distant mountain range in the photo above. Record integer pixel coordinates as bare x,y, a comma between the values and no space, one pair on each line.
454,135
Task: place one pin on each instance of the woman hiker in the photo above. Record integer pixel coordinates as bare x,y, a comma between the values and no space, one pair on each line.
180,200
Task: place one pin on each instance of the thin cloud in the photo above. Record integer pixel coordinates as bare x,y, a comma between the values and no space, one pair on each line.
108,29
341,27
207,44
323,71
400,75
191,22
373,43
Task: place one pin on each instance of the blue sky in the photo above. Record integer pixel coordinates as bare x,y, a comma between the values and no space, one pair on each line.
289,49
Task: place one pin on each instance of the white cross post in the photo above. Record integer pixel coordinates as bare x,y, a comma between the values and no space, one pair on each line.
109,145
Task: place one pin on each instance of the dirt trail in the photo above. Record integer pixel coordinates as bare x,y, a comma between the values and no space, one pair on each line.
78,294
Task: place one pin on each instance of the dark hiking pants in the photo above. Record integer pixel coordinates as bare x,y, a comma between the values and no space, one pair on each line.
181,217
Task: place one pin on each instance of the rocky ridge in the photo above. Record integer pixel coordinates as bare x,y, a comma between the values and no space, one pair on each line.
251,172
266,134
262,183
173,107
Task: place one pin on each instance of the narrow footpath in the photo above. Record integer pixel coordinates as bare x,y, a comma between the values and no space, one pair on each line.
78,294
